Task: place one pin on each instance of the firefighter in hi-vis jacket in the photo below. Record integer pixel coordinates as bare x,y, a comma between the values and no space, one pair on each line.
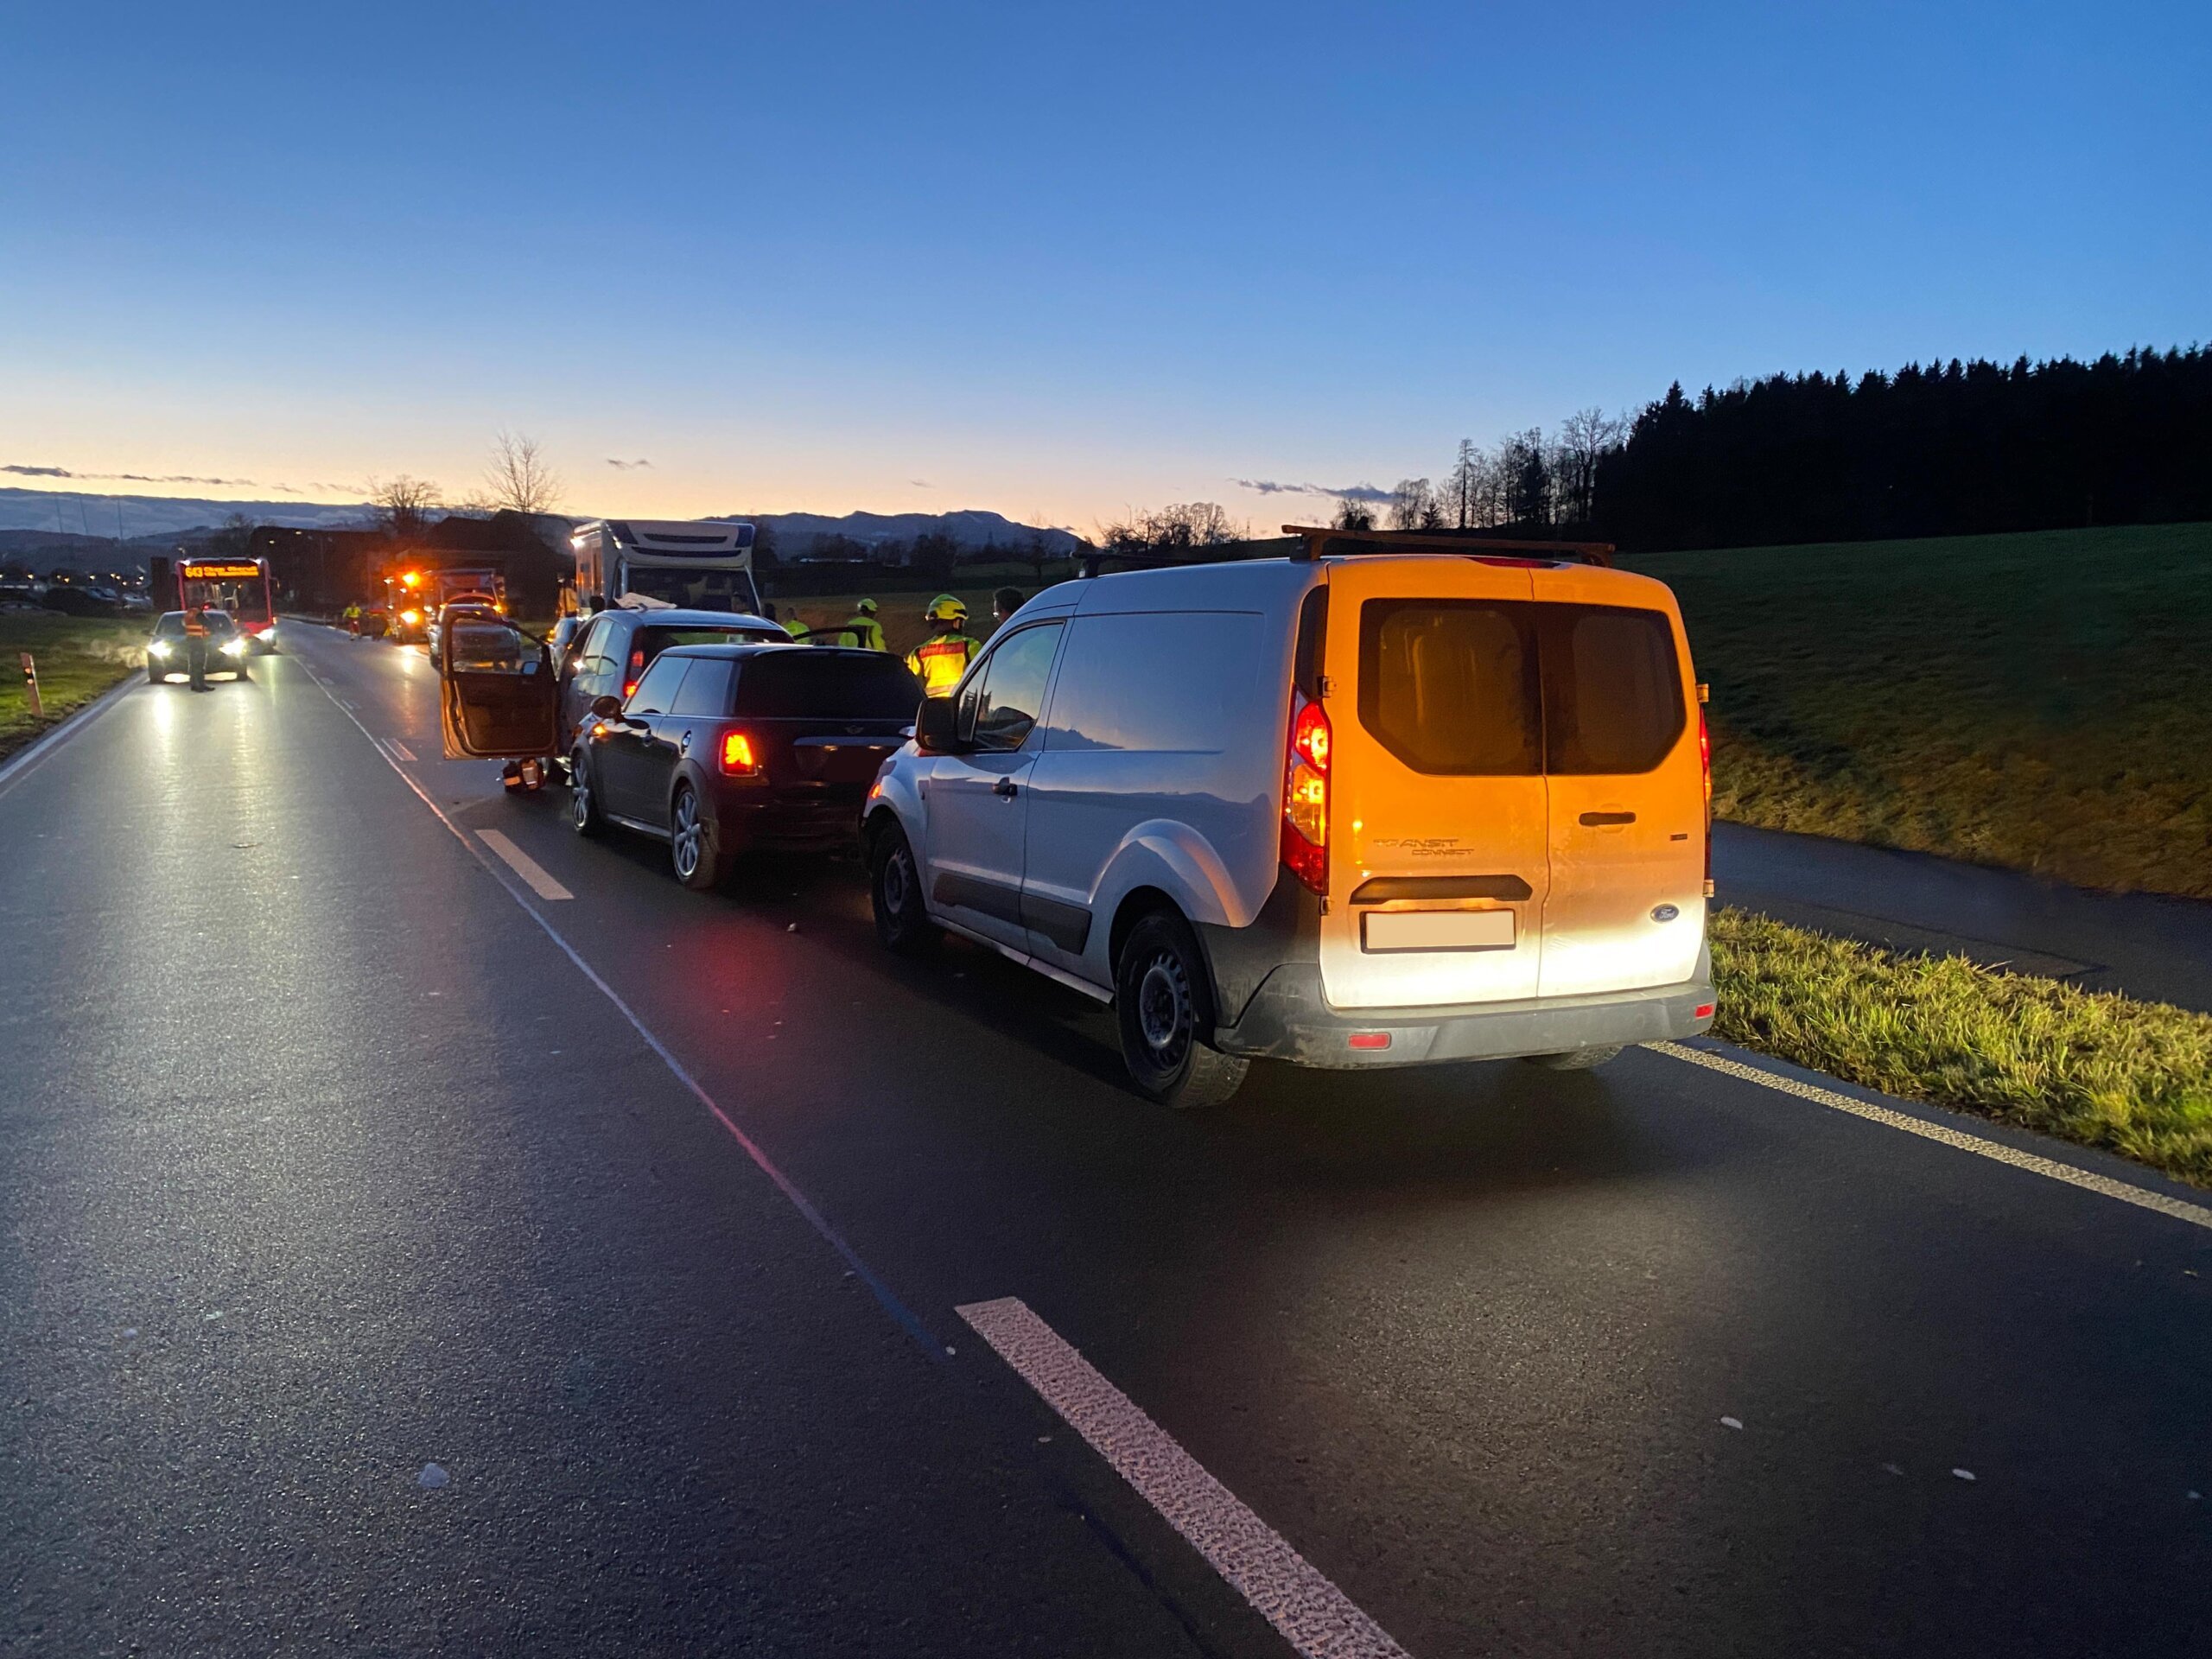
940,660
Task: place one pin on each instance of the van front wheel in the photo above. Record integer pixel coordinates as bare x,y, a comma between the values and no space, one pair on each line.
1165,1003
1575,1060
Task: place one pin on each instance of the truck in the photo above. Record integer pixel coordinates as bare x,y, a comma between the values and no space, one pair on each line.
698,566
414,596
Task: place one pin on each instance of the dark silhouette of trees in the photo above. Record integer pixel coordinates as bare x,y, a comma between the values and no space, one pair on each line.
1945,448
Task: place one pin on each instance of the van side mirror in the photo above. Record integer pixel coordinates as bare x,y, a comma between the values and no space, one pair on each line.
935,726
607,707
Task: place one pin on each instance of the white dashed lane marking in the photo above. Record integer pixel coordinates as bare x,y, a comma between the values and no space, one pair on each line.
2142,1198
400,749
541,882
1315,1616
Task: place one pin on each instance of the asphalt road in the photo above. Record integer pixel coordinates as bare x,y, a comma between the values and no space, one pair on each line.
324,1157
2146,945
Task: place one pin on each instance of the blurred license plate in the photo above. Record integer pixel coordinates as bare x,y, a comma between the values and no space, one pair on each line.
1436,929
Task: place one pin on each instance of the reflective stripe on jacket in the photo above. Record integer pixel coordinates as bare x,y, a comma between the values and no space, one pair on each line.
940,661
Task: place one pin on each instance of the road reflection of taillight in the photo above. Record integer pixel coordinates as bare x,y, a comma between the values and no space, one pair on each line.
739,760
1306,797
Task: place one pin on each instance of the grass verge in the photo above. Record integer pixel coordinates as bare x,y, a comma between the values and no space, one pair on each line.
2090,1067
2034,701
78,656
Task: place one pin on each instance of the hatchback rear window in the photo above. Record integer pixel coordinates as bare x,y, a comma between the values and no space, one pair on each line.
804,684
1506,687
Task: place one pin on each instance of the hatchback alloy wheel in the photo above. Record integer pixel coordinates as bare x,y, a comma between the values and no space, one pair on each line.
683,835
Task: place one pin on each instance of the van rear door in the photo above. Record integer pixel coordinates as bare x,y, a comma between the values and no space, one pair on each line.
1627,904
1439,859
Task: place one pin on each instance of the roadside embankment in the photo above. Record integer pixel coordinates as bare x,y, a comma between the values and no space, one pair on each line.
77,658
2031,701
2096,1069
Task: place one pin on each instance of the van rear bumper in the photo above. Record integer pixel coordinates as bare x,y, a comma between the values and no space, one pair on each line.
1289,1019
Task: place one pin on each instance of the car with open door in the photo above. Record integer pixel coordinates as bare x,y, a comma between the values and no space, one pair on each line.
720,749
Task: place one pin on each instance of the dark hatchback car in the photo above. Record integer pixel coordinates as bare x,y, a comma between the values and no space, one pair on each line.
609,654
725,748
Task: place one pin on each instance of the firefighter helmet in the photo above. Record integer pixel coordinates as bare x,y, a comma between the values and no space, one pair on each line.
945,608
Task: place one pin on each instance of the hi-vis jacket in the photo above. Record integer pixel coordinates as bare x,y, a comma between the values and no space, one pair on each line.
940,660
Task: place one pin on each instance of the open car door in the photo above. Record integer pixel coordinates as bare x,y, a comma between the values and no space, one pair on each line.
497,694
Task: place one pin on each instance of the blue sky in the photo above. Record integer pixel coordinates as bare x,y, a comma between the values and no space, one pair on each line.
1053,262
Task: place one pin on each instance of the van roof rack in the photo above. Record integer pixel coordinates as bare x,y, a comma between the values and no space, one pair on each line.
1322,541
1143,560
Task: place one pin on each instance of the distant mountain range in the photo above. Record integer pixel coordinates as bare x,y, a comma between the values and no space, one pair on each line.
798,533
40,519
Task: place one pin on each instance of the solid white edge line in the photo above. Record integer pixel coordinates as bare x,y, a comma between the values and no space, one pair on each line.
541,880
1314,1617
2142,1198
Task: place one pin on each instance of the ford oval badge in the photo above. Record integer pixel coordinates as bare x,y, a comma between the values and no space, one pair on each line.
1664,912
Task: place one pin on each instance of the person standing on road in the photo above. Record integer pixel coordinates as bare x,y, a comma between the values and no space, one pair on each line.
861,629
940,660
195,645
353,620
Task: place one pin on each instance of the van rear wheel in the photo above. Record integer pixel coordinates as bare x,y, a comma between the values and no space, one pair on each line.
1575,1060
1165,1002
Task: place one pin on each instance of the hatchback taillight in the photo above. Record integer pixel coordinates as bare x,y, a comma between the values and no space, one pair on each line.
739,759
1306,797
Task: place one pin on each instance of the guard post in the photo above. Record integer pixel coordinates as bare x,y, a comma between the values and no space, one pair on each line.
31,685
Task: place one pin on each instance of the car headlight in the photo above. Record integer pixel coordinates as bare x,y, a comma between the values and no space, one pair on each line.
233,647
411,617
160,648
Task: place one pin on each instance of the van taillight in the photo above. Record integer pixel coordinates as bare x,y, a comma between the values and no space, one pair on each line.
1306,797
1704,766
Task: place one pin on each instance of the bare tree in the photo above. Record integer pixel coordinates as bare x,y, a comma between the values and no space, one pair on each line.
405,504
1354,515
1585,439
517,479
1413,506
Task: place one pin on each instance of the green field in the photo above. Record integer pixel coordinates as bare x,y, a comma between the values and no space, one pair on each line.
78,658
2037,701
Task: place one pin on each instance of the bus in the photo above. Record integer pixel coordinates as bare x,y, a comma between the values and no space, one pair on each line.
697,566
239,586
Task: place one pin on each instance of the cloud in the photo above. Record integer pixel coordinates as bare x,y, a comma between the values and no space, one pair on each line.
921,483
21,471
1338,491
627,465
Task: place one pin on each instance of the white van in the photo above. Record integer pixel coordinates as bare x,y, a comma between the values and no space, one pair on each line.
1398,799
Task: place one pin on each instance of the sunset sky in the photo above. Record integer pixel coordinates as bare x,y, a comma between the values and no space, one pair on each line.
1054,261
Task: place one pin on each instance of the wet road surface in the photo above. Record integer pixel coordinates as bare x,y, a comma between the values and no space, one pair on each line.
327,1154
